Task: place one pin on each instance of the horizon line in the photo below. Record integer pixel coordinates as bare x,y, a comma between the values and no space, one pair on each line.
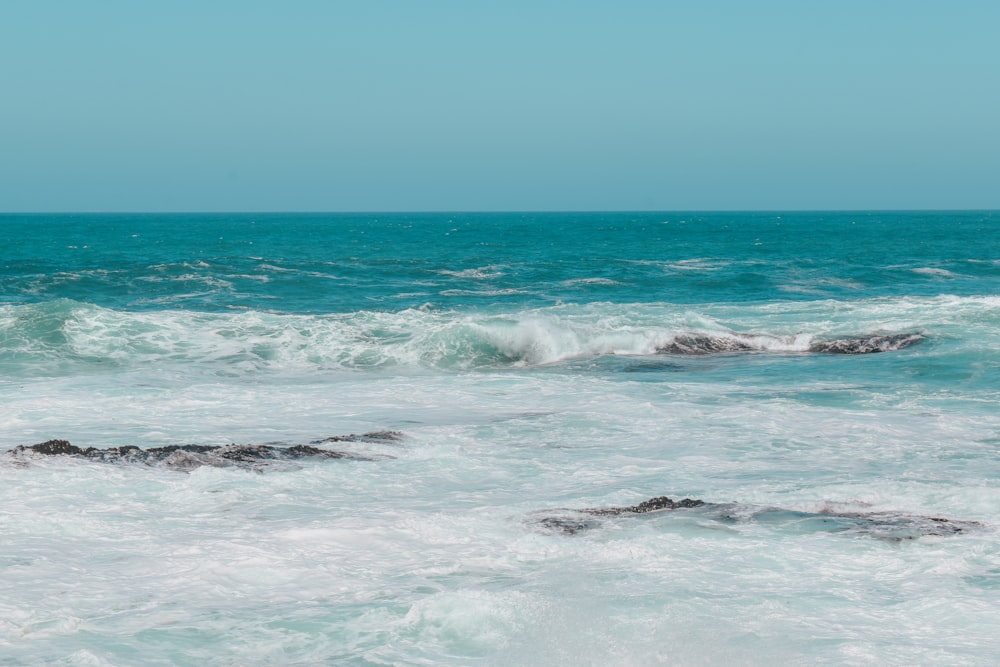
497,211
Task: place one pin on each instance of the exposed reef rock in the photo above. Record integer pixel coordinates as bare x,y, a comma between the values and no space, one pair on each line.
188,457
374,436
866,344
52,448
691,344
702,344
651,505
887,526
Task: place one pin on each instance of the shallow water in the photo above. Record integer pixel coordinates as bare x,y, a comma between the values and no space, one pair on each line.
531,364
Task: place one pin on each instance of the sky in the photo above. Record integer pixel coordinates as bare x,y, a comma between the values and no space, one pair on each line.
336,105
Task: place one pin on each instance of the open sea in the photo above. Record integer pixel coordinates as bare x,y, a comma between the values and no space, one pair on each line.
500,439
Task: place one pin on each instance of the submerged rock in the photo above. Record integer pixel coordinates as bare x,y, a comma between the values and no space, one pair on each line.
887,526
568,525
653,367
188,457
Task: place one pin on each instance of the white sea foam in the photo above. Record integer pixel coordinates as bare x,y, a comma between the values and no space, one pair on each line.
591,281
486,292
51,337
482,273
698,264
432,555
850,500
930,271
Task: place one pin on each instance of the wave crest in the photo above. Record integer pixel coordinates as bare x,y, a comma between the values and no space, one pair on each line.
62,337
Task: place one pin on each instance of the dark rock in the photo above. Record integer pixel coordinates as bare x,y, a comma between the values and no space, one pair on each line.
302,451
689,344
866,344
651,505
53,448
702,344
188,457
373,436
886,526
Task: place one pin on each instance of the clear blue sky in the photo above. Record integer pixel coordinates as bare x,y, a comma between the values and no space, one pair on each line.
464,105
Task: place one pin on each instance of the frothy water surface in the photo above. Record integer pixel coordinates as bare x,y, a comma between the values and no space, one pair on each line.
828,397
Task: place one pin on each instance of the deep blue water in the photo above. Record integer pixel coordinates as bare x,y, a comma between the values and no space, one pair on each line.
333,263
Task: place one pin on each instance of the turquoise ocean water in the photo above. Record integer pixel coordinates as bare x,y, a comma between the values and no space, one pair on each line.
401,439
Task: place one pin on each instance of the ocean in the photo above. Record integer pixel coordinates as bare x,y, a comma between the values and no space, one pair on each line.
500,439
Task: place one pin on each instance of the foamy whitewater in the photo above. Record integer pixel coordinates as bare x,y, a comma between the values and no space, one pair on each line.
446,439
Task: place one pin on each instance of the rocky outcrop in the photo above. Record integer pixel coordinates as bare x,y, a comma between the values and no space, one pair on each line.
866,344
651,505
702,344
373,436
694,344
187,457
888,526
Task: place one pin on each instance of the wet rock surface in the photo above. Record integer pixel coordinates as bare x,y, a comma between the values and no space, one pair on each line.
691,344
187,457
651,505
373,436
887,526
866,344
704,344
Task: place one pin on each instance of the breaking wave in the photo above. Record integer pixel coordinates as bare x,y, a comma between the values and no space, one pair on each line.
66,336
